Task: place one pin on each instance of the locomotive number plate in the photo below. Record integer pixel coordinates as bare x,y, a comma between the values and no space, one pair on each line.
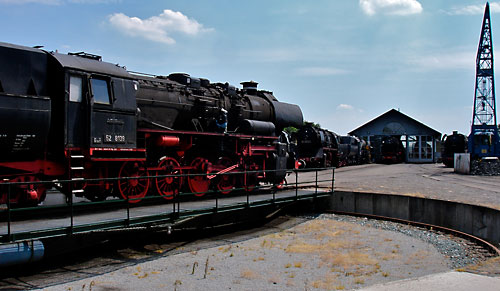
111,138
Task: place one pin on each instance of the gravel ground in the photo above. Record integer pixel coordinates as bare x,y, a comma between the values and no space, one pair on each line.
459,251
327,252
485,168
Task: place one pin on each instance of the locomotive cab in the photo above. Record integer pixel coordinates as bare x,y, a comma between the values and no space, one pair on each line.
100,106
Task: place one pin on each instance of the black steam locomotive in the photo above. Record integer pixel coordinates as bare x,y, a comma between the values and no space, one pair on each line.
317,147
392,150
387,149
455,143
350,148
76,117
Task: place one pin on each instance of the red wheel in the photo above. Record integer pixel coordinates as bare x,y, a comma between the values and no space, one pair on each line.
168,187
199,184
281,185
225,182
133,189
28,194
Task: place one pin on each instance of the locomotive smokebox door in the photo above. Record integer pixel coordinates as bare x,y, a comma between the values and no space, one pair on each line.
280,160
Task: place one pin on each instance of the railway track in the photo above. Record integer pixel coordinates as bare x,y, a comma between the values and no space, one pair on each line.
474,240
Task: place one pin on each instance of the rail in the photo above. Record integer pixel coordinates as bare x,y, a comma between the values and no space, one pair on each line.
65,216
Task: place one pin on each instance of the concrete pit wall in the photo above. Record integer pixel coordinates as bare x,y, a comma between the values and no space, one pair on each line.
479,221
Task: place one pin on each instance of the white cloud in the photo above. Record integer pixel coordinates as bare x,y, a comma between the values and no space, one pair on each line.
157,28
320,71
345,107
392,7
474,9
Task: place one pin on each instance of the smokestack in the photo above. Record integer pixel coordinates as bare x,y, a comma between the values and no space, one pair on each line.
250,87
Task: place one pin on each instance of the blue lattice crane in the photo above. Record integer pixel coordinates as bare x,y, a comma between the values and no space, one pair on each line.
484,138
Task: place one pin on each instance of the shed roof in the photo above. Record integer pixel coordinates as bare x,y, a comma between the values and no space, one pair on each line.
394,122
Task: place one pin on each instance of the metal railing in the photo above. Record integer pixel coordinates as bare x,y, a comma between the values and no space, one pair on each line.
63,216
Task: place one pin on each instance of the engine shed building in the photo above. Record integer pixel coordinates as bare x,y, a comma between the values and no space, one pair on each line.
418,139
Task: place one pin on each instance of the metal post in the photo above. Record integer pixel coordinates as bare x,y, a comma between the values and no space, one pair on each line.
8,211
174,202
296,184
245,185
178,200
248,199
316,184
128,206
72,212
333,177
71,208
217,200
179,205
274,192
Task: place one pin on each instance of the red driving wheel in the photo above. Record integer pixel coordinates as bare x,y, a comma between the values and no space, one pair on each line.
225,182
168,187
199,184
136,188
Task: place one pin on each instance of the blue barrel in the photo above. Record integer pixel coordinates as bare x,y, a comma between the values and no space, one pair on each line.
21,253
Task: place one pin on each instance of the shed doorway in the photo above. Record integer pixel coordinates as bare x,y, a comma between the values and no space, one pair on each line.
419,148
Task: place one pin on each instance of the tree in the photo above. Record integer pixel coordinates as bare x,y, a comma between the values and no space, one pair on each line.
316,125
290,130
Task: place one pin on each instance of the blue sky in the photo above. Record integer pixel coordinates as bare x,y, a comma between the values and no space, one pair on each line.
344,62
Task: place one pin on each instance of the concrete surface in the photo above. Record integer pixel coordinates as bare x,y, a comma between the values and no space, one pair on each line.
317,254
420,180
456,281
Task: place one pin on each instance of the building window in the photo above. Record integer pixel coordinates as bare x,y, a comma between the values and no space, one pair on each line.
427,147
100,91
75,88
420,147
413,147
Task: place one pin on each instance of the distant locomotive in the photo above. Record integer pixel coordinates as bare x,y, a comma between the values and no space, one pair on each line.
452,144
392,150
350,150
76,117
317,147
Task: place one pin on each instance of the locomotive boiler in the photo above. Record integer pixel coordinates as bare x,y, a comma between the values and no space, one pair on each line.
76,117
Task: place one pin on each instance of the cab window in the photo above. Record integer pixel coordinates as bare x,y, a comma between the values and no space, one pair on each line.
75,88
100,91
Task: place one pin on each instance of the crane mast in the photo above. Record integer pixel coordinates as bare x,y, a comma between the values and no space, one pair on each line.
484,138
